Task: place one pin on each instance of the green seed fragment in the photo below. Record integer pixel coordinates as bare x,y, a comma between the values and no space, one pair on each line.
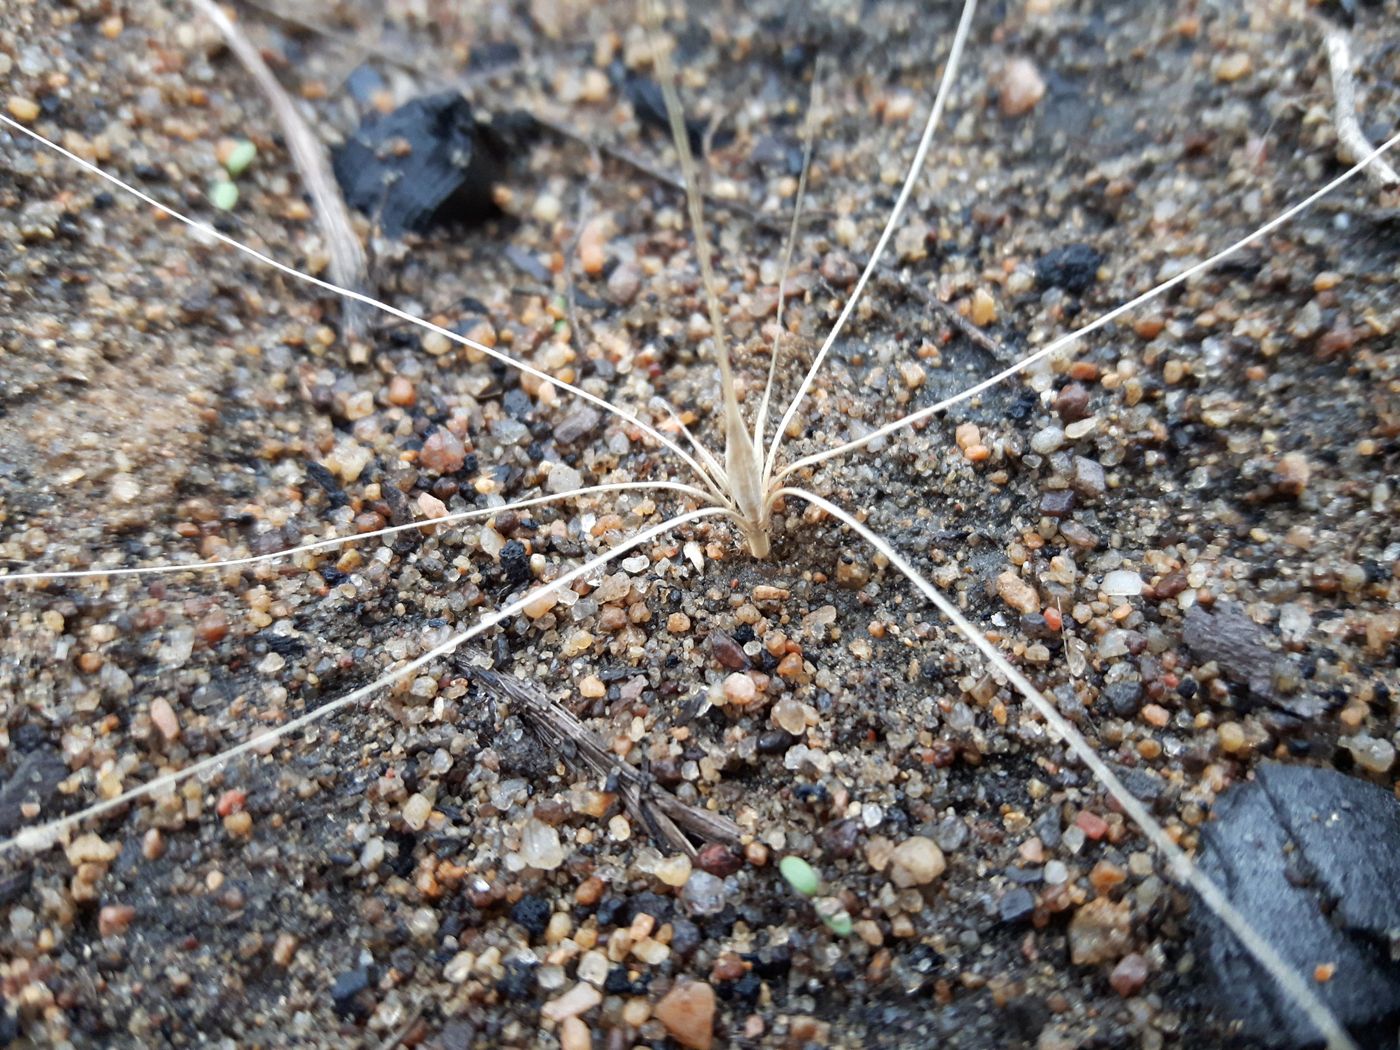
839,924
240,157
800,875
837,919
223,195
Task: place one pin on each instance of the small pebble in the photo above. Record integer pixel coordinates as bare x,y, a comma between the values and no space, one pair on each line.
1372,754
739,689
231,801
1072,402
898,107
916,861
574,1035
1017,593
674,871
688,1012
1149,326
1124,583
402,392
416,812
967,435
789,715
791,668
576,424
1292,474
430,506
114,919
704,894
1124,699
541,605
1232,739
442,452
546,208
624,283
1100,932
24,110
838,270
1129,975
1047,440
984,308
163,715
1093,825
1016,906
727,651
540,846
153,844
1088,479
1233,67
239,825
718,859
1081,428
592,246
284,949
1020,86
1105,875
579,999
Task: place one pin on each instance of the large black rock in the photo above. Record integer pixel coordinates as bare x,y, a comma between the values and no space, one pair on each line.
1312,859
427,163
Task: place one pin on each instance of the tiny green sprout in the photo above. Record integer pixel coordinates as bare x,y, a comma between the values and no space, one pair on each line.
240,157
223,195
800,875
835,916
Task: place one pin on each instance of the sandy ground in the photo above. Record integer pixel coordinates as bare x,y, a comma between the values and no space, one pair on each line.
1233,444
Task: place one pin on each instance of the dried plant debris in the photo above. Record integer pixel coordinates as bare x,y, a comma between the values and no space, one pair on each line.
668,820
427,163
1312,857
645,95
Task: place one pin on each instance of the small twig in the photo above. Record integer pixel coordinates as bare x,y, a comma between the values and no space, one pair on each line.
1353,141
347,262
661,175
948,310
665,817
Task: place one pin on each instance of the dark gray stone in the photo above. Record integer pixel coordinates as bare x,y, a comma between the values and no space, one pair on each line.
1312,859
428,162
1235,642
35,779
1016,906
1124,698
